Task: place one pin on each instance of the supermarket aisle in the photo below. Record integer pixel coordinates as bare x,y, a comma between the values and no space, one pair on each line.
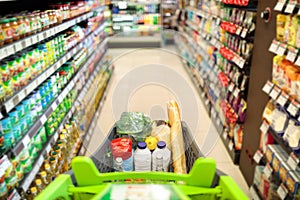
144,80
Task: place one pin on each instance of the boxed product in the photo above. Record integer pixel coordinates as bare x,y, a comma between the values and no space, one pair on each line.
292,183
258,175
283,171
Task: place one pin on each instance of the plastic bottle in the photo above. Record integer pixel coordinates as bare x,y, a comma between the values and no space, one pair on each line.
166,154
119,163
142,157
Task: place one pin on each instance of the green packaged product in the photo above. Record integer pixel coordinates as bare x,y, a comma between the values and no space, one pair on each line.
43,136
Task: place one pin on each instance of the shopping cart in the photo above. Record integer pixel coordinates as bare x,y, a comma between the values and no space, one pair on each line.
95,179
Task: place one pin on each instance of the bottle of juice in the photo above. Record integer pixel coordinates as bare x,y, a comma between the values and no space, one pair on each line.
39,185
44,178
32,193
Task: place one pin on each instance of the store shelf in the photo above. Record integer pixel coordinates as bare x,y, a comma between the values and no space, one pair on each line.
281,49
20,95
282,98
86,138
43,118
137,3
10,49
228,26
226,52
25,183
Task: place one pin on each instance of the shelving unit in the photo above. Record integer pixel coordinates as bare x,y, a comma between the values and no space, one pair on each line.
90,61
219,66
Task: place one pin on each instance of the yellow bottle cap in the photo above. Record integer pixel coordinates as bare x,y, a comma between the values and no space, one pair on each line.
64,131
43,174
38,181
33,190
47,166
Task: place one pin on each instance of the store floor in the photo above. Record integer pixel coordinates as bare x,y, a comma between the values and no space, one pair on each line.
144,80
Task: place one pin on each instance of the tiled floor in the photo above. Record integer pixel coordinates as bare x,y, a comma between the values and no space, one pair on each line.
144,80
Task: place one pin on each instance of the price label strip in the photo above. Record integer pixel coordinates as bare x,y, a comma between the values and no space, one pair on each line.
230,145
274,46
275,92
283,98
268,171
290,7
264,127
282,191
268,87
257,156
292,54
279,6
298,61
293,108
293,161
281,49
244,33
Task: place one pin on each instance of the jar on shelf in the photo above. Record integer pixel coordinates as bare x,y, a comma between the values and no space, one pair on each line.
59,16
33,24
38,22
7,30
27,25
44,20
22,26
14,25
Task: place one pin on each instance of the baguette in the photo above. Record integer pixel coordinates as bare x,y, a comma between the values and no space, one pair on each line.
177,143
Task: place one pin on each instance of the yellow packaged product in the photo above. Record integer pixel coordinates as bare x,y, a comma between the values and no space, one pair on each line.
276,69
280,24
292,30
298,34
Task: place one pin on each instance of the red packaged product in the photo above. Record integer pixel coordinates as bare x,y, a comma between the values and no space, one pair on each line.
121,147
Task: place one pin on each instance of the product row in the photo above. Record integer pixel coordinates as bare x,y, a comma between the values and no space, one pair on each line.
18,70
20,25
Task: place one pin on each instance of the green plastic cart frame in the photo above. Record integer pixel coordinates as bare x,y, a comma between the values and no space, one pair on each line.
91,178
94,185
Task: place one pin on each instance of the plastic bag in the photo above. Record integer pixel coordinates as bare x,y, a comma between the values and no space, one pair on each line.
135,124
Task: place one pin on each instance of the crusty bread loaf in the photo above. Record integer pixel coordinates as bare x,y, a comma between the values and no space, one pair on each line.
162,133
177,143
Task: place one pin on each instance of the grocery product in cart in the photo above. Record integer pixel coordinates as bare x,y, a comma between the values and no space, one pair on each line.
142,158
165,153
122,148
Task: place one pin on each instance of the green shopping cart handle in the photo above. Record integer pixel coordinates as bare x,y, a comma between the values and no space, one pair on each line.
90,181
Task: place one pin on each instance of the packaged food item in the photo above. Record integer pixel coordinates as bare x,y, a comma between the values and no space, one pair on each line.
291,25
279,120
292,134
298,34
8,31
122,147
280,25
292,183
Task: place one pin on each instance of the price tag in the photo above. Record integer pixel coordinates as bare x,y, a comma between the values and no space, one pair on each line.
27,42
34,39
293,161
55,136
241,63
9,50
268,87
268,171
5,163
54,106
225,135
290,8
281,49
279,6
239,30
235,59
282,191
274,46
43,119
293,108
244,33
41,37
2,53
48,148
18,46
74,51
264,127
291,56
26,141
257,156
282,99
275,92
298,61
60,98
236,92
230,145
